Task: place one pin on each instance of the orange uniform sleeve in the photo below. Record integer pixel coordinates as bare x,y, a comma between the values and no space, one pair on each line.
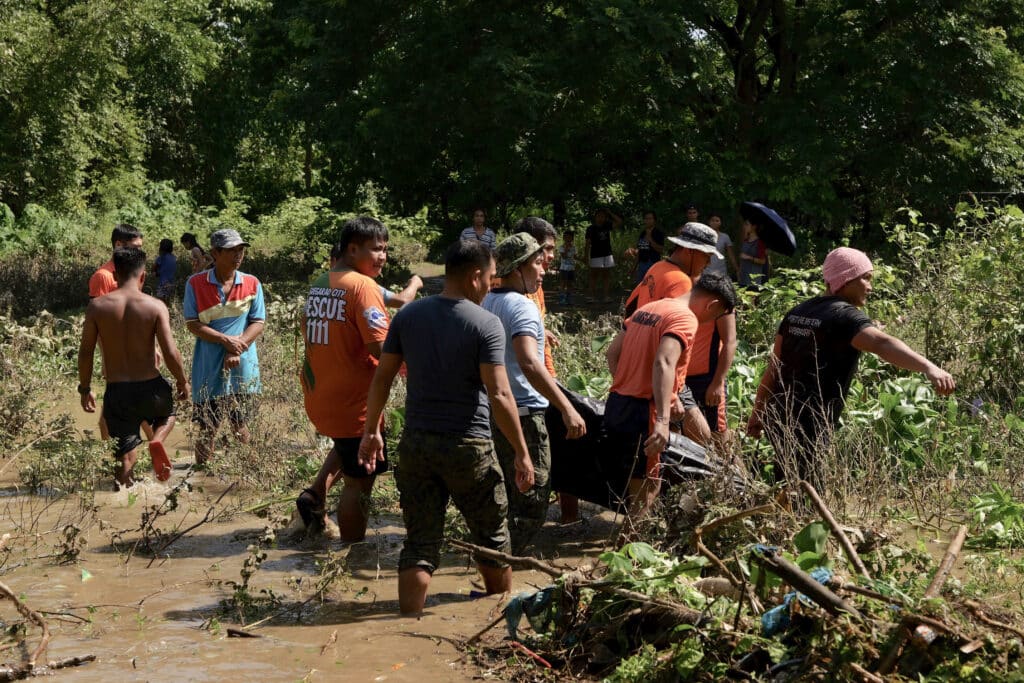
370,314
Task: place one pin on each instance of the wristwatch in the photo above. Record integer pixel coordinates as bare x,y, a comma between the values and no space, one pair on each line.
84,390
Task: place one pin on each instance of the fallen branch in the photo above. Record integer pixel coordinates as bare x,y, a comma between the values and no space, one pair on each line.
682,613
206,518
865,674
239,633
840,535
19,673
977,610
947,564
71,661
32,616
479,634
515,561
866,592
741,586
892,656
803,582
729,519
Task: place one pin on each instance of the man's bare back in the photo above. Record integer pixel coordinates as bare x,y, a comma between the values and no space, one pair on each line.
128,321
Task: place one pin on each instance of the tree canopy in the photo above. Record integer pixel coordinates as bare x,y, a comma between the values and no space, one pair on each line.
838,112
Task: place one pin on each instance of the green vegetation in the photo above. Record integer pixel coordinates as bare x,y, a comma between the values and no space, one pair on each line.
836,113
281,119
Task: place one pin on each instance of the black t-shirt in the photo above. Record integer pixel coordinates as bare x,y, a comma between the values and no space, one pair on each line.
644,252
600,237
817,360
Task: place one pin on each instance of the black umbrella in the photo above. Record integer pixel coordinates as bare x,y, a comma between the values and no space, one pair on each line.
771,227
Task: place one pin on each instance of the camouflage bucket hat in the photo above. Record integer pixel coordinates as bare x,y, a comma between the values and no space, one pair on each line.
514,251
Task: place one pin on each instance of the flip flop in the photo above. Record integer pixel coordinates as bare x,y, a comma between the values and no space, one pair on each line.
311,509
161,463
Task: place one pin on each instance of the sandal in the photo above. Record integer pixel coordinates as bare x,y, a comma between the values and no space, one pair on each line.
311,509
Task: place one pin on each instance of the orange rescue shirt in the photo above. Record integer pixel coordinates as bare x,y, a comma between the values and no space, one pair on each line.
344,312
103,281
538,298
703,347
664,280
634,375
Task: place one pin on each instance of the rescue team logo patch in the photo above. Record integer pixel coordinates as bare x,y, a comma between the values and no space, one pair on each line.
376,318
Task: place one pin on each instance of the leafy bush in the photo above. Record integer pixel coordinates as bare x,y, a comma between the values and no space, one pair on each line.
965,296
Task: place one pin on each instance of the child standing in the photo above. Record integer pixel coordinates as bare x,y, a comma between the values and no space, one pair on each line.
165,267
567,266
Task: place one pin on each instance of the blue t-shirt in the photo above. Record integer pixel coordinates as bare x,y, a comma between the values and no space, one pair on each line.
230,315
519,316
166,267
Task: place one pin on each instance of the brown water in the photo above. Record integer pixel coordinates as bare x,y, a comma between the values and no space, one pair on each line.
167,638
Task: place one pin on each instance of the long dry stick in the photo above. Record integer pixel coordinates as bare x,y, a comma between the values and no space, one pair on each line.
206,518
32,616
14,674
892,656
803,582
729,519
947,564
977,610
840,535
865,674
866,592
681,612
525,562
480,634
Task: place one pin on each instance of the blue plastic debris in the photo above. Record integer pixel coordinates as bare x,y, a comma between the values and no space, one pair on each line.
536,607
776,620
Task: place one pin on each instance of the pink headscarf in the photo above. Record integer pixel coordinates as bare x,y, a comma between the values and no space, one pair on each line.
842,265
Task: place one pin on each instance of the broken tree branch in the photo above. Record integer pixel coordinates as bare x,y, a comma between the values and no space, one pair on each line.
32,616
521,562
947,564
206,518
978,611
892,656
803,582
840,535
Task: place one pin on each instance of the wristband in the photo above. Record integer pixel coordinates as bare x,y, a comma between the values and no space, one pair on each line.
83,390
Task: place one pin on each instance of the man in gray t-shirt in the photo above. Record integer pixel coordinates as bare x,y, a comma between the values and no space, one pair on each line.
454,352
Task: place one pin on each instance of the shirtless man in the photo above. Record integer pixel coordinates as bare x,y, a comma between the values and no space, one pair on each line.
128,321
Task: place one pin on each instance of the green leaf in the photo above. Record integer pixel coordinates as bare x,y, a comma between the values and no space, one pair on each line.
813,538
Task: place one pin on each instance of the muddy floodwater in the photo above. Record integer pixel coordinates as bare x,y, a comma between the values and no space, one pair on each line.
165,622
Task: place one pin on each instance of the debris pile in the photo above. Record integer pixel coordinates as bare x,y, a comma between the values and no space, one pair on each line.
751,596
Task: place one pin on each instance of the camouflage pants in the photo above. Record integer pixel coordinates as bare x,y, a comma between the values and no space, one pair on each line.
528,511
433,468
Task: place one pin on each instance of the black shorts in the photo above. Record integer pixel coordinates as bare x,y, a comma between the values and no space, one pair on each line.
126,405
715,415
239,409
568,275
627,422
348,451
687,399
